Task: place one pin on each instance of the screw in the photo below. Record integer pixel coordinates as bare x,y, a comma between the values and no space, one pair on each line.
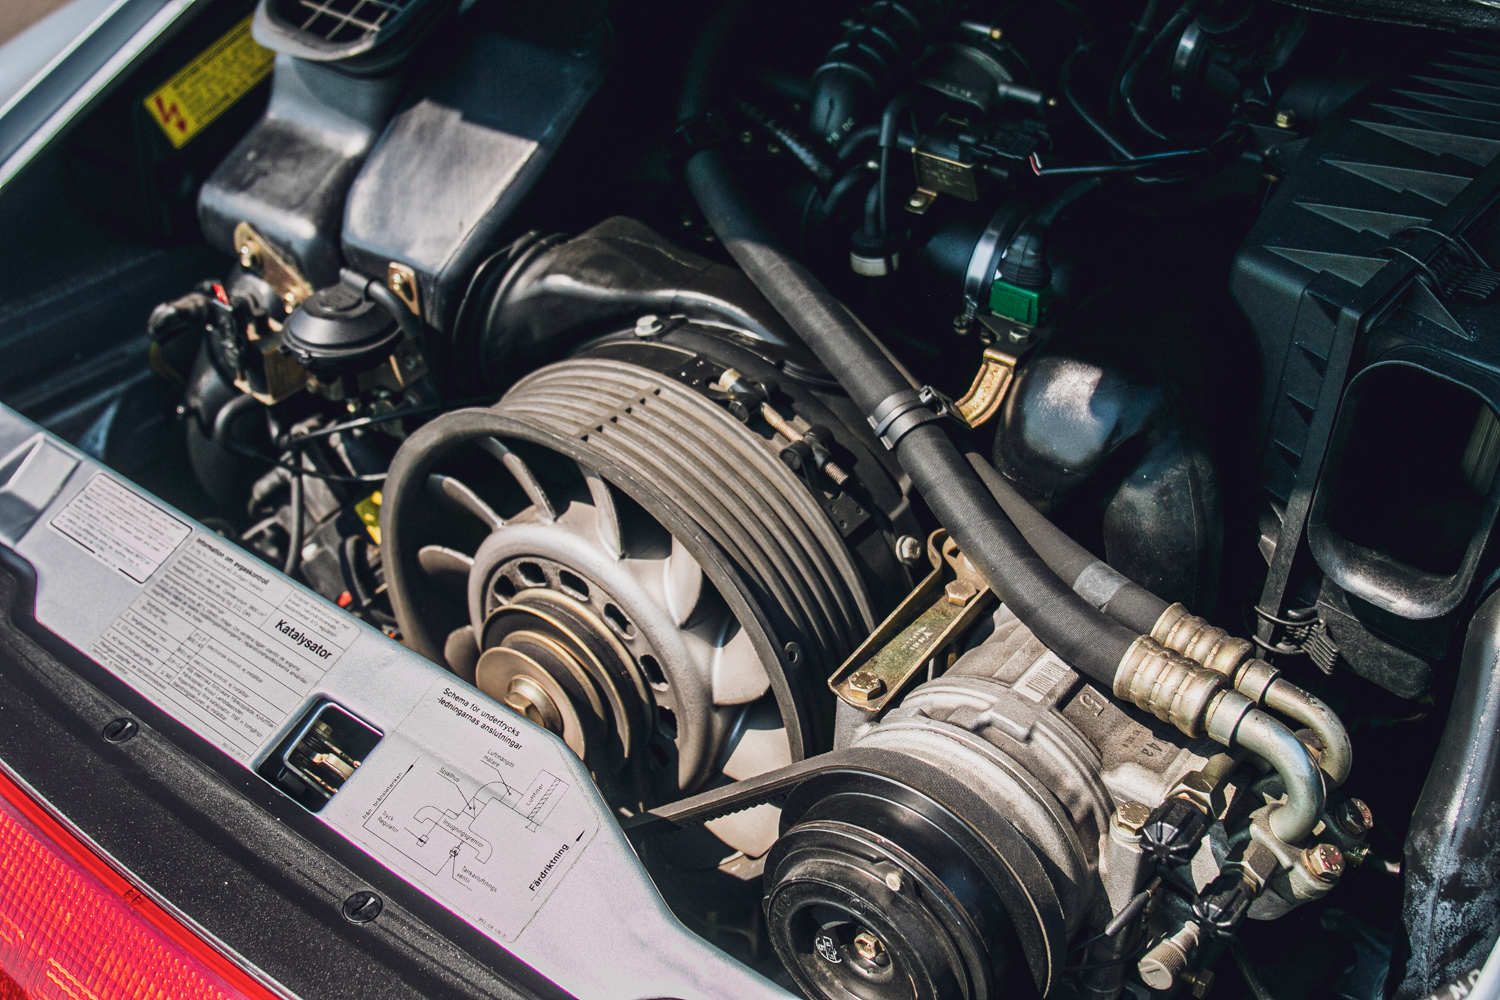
1355,818
363,907
961,592
1131,816
1286,119
249,259
1325,861
119,730
865,685
893,881
648,326
868,946
909,549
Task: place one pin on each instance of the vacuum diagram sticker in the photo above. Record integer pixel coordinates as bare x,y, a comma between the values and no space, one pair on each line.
206,87
224,646
123,530
489,826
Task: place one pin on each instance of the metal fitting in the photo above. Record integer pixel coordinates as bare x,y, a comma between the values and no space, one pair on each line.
648,326
1196,639
1167,684
1324,861
1199,981
1165,962
1355,818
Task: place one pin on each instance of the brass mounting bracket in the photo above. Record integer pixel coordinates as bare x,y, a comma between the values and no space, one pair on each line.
946,602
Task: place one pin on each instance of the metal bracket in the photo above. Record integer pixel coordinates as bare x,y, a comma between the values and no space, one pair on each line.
944,604
263,259
984,397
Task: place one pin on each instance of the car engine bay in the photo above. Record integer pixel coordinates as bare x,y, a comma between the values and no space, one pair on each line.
997,496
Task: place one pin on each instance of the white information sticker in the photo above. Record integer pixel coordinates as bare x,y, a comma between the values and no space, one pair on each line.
224,645
470,806
123,529
1041,677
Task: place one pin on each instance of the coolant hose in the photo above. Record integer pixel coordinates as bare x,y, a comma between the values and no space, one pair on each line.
1060,618
1264,736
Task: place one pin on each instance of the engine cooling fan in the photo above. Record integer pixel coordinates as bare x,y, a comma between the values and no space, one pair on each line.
612,554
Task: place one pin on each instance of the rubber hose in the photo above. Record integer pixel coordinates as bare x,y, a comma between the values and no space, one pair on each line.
1127,603
1296,704
1261,734
1060,618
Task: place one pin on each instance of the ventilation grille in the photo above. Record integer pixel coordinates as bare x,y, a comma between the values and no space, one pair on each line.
341,21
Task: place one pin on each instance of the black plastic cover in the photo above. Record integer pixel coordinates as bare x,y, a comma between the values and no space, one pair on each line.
289,175
459,157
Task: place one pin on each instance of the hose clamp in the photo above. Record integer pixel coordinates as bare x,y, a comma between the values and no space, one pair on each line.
900,413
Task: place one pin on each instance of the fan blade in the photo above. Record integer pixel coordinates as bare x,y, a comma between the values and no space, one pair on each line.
523,475
738,675
762,746
606,515
682,578
445,563
456,492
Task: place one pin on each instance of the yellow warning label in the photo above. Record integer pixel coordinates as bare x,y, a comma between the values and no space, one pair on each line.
206,87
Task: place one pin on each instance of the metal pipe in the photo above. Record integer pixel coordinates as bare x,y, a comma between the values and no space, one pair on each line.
1296,704
1273,742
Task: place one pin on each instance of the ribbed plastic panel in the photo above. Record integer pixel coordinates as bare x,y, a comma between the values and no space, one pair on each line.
725,478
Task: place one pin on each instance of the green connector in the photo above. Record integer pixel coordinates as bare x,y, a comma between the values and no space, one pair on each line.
1024,305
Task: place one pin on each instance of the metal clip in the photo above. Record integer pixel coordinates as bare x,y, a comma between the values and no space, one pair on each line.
944,604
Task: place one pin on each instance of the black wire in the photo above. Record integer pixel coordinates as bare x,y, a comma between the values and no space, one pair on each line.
1133,956
889,136
333,477
1247,970
1065,84
406,411
1174,24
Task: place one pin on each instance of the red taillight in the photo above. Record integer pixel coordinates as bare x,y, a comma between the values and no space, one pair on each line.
71,928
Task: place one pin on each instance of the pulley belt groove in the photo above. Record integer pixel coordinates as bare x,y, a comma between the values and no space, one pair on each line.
712,514
754,507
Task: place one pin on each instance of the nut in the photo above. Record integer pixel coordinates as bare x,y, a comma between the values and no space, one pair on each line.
961,592
1199,980
865,684
1131,816
1355,818
909,549
868,946
1325,861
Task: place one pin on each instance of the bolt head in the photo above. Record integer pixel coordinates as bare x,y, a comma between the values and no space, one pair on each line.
1355,818
400,284
1286,119
893,881
909,549
1131,816
289,300
648,326
962,324
1325,861
868,946
865,684
961,592
249,259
